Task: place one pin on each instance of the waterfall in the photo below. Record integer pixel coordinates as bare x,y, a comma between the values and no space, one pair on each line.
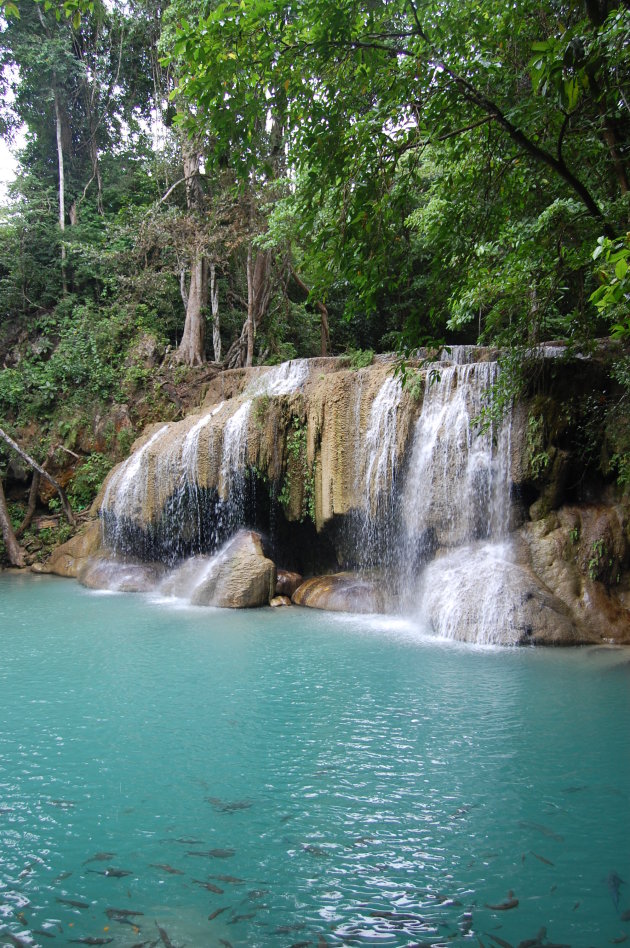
375,478
456,502
189,496
380,443
280,379
126,493
456,487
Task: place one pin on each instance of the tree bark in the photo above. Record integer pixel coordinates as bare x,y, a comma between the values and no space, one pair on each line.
67,509
192,346
32,504
322,310
249,357
62,200
214,305
14,550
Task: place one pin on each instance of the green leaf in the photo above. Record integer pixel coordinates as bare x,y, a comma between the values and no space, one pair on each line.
621,268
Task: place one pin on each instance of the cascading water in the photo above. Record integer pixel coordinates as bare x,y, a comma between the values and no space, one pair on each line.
281,379
456,499
126,493
377,477
457,482
194,518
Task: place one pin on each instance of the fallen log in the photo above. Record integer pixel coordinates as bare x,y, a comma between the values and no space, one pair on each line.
67,509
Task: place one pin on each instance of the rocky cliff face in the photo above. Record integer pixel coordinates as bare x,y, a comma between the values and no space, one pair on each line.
342,468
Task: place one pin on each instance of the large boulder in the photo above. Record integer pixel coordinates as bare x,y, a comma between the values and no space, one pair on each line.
287,582
481,594
239,577
70,558
342,592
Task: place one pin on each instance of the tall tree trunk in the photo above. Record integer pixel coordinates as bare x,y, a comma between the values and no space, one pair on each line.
321,308
249,358
192,347
62,199
32,505
214,305
14,550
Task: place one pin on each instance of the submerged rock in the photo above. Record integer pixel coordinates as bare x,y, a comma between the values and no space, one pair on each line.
280,601
341,592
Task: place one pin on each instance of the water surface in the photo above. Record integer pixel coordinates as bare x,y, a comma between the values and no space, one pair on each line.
341,780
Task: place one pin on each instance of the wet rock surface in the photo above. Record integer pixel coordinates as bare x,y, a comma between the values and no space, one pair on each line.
240,577
109,572
342,592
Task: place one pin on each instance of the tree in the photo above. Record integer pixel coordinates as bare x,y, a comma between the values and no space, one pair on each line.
371,92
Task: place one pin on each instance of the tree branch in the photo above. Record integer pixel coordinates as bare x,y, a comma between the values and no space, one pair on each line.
67,509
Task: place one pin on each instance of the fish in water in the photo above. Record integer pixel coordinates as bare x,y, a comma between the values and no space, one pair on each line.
210,886
91,941
547,862
212,853
186,840
620,940
625,916
123,913
224,807
315,851
100,857
510,903
233,880
61,877
401,916
225,943
16,940
241,918
614,883
164,866
500,941
525,824
257,894
216,912
166,941
112,873
536,942
73,903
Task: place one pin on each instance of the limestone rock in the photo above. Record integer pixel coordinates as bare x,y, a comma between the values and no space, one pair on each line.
287,582
341,592
581,555
482,594
280,601
240,577
110,572
71,557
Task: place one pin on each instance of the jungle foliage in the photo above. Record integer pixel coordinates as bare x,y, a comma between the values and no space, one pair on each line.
304,177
